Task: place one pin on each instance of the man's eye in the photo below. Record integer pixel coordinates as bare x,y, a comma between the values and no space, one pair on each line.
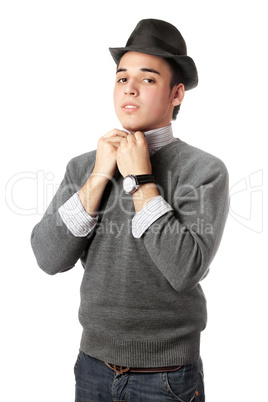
149,80
122,80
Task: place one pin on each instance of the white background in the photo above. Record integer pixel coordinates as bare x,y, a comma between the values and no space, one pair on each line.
57,79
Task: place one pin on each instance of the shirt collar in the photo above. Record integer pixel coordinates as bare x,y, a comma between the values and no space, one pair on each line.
159,137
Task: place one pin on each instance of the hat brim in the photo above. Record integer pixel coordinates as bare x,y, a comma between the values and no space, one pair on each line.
185,63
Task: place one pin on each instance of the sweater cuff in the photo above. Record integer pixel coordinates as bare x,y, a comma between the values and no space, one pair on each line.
77,220
152,211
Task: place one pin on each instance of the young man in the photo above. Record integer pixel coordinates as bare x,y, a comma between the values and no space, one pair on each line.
145,215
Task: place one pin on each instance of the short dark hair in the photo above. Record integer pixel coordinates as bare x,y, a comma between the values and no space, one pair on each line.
176,79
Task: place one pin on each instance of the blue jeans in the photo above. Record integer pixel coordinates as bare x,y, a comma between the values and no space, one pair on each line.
95,382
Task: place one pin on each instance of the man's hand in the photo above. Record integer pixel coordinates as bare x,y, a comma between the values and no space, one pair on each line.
133,156
92,191
108,145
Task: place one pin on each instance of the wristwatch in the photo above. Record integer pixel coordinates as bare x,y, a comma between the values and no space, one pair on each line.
131,183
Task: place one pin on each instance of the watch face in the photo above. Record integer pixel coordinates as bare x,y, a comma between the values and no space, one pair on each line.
129,184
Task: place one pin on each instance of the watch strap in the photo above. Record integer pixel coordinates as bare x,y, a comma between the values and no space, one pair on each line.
145,178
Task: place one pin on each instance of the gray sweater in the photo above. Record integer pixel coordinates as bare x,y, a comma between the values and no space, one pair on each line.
141,301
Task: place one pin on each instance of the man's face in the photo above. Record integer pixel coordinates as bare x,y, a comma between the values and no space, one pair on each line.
142,96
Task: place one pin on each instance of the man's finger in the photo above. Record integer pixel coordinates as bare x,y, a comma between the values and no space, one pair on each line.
123,141
116,133
139,135
131,138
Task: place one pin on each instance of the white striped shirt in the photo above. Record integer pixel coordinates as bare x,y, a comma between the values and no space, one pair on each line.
80,223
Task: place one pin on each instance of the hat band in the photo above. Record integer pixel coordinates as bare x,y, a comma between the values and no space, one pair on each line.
152,41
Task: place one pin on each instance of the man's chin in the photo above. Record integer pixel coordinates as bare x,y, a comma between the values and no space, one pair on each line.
133,128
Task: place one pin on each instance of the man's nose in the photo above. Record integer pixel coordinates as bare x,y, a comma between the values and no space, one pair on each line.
131,88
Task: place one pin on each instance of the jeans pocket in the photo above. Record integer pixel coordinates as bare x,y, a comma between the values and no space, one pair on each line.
182,385
201,388
77,362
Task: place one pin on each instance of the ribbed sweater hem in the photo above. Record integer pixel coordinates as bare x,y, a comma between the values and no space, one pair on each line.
141,353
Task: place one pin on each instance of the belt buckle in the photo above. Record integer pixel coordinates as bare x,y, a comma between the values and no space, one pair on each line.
117,369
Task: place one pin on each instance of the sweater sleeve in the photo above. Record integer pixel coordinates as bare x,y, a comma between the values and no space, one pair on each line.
183,242
77,220
148,215
55,247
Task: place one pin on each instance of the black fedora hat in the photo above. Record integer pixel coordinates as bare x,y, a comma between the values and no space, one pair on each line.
160,38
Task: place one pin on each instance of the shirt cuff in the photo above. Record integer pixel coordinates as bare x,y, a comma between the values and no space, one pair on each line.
152,211
77,220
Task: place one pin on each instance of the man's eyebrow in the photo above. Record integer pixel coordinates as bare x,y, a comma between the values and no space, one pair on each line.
146,70
119,70
150,70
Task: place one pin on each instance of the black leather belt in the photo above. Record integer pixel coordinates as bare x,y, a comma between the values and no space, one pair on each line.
122,369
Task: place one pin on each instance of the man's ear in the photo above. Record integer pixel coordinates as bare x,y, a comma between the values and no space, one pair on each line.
178,94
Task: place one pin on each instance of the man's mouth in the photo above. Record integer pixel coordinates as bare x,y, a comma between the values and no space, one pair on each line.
130,107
